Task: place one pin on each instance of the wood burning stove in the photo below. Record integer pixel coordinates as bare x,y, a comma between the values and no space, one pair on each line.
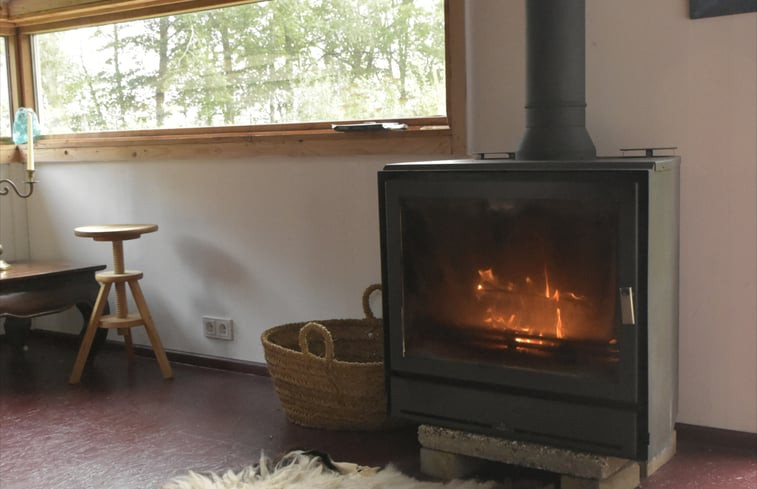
535,300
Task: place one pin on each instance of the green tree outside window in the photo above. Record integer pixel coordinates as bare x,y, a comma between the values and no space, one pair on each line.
279,61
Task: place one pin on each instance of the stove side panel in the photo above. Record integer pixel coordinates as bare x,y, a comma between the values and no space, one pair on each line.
662,286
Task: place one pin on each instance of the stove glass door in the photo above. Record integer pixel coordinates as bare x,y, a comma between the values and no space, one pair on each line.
526,272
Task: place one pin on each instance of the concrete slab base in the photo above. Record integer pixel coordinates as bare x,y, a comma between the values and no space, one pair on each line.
448,466
450,454
532,455
628,477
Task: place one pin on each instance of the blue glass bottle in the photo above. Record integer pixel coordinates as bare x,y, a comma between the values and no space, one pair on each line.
20,132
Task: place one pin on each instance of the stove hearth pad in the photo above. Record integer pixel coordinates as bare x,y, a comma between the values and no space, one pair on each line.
448,453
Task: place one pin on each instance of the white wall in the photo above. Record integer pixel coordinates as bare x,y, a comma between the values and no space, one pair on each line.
657,78
263,241
272,240
14,235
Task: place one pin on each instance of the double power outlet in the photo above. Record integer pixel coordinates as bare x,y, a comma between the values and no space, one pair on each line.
218,328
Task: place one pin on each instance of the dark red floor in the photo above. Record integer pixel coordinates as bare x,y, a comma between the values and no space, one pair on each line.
125,427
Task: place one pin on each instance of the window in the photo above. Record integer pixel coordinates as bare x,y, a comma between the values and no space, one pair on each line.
271,62
237,78
5,107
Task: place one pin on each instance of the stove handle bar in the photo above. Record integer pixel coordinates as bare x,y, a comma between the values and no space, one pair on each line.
627,313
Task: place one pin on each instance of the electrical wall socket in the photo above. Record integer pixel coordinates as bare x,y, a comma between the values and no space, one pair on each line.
218,328
209,327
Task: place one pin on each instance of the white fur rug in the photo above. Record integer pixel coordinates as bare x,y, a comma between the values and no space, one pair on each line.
303,470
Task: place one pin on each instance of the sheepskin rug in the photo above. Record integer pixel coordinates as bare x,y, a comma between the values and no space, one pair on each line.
313,470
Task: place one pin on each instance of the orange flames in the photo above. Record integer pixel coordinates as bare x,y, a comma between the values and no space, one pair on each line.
521,307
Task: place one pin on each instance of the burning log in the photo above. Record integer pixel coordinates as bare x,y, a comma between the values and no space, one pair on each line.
528,310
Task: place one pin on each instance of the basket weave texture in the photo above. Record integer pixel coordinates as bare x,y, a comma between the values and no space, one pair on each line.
330,374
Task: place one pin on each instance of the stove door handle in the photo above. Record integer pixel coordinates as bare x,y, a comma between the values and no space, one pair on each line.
627,314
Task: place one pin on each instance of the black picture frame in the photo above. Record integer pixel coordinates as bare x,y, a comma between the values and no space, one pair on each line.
711,8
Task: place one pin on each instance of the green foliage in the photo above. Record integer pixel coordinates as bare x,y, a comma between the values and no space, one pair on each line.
266,62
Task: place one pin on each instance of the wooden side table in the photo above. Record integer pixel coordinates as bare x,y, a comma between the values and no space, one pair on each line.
35,288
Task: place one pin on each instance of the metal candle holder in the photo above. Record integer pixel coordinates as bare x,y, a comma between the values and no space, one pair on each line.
7,184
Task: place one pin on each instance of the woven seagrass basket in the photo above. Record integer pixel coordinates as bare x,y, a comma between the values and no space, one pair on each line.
330,374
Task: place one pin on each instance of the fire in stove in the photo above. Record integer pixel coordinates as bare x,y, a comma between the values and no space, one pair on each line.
534,315
531,315
525,308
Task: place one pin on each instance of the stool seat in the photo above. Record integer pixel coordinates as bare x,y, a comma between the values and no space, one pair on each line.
111,276
115,232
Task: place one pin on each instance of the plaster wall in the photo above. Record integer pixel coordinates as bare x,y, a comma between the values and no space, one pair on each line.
14,234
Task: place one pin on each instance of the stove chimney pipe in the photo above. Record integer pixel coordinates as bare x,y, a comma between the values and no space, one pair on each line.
556,79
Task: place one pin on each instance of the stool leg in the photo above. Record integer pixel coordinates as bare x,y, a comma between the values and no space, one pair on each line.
152,333
89,335
128,344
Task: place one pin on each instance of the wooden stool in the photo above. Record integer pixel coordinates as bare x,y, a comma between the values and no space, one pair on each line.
122,320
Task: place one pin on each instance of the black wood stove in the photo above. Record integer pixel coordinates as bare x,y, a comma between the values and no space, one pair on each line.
536,298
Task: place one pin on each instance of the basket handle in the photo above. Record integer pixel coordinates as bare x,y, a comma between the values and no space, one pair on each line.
325,334
366,300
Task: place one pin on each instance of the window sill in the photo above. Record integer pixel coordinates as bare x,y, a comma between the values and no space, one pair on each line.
230,143
25,18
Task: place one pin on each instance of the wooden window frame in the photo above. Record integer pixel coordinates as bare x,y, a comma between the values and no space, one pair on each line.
20,19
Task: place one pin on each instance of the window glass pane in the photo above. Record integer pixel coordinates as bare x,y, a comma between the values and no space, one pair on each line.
5,106
268,62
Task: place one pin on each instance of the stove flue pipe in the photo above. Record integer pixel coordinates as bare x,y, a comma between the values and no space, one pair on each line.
556,82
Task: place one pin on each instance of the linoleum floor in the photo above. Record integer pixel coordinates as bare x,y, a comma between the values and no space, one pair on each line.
124,427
